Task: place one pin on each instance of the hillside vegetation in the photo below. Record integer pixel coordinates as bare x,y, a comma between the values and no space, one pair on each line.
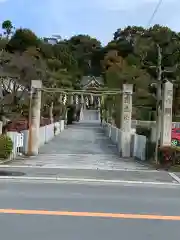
130,57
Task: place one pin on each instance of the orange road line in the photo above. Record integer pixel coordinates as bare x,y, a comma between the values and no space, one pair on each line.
89,214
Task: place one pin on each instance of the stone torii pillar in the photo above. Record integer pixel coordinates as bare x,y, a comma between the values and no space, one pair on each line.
34,117
166,116
125,122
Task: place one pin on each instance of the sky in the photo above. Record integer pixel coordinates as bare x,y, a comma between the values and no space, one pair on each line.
97,18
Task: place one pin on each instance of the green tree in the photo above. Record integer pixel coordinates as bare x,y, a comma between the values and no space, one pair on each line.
129,57
22,39
83,47
7,26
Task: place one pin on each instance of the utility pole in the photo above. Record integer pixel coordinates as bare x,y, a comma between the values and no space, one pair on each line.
159,100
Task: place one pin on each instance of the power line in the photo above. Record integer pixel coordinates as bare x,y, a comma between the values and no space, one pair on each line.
154,13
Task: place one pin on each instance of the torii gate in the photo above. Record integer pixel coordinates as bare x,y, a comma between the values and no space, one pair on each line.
125,107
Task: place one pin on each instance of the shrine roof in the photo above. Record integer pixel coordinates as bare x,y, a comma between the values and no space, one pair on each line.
89,81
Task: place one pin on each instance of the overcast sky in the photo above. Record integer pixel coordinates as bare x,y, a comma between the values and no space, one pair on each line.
98,18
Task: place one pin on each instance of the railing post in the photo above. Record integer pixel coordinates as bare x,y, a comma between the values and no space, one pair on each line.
125,124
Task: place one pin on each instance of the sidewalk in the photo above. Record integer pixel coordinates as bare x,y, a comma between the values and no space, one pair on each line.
111,176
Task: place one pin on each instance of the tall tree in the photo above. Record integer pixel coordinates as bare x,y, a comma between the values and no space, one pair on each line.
83,47
7,26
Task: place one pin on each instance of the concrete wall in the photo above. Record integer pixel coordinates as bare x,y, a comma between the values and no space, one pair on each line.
20,140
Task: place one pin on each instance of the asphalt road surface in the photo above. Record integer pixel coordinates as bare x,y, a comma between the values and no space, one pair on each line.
70,211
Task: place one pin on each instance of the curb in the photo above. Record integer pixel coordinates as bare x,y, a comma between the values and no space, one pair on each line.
68,168
83,180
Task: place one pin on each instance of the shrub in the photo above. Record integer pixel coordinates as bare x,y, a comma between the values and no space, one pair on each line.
6,146
169,154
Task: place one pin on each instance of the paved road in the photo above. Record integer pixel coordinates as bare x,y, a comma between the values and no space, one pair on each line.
81,146
94,207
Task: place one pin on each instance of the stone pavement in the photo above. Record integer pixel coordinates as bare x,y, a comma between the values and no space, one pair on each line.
80,146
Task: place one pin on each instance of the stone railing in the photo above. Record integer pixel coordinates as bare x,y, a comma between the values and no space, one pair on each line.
47,133
135,123
138,142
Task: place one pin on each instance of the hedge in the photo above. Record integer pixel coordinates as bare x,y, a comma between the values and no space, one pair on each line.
6,146
169,154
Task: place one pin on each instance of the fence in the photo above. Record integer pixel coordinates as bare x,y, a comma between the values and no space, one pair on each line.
20,140
151,123
17,139
138,142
